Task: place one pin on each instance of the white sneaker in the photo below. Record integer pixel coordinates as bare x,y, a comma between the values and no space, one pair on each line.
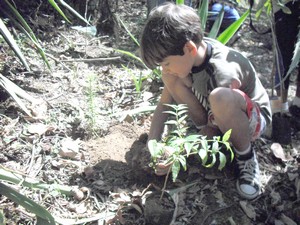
248,184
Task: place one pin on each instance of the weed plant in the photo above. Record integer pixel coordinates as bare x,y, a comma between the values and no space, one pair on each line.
91,94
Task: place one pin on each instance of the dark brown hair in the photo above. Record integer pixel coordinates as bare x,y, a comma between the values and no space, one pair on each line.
167,30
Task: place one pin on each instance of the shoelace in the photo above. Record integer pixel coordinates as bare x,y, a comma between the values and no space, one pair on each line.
248,170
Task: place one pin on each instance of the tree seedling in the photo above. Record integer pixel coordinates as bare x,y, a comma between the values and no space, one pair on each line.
176,147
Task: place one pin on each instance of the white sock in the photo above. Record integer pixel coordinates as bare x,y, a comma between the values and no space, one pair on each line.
296,101
245,152
285,107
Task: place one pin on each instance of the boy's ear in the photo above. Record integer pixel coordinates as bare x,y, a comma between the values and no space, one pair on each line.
191,47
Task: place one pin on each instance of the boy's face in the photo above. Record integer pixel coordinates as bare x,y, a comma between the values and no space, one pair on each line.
178,65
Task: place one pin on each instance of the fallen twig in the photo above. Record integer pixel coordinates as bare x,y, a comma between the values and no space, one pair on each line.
100,217
90,60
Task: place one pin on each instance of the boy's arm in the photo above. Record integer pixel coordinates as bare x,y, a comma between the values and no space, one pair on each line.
159,118
182,94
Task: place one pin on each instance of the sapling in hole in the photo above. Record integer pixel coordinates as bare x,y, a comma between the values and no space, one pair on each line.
176,147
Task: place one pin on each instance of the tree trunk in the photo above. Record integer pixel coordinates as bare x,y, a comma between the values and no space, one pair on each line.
106,21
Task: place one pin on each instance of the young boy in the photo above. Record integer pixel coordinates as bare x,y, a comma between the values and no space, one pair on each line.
219,86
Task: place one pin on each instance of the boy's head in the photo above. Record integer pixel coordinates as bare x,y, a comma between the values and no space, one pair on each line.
168,28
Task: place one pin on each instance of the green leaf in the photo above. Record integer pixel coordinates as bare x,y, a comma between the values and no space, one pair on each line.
193,138
42,214
179,141
202,153
171,122
172,150
222,159
170,112
226,136
284,8
188,147
215,147
175,170
232,29
182,111
204,144
180,106
180,132
181,119
228,147
182,161
12,43
213,156
155,148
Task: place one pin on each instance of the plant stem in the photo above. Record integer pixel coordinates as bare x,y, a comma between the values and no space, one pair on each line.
165,183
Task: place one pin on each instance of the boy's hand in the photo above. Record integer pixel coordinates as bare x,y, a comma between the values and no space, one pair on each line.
162,168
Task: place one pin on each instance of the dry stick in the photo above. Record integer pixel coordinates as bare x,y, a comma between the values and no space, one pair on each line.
32,159
97,217
90,60
58,61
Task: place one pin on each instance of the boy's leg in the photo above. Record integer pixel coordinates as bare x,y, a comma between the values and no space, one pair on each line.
286,24
229,108
295,107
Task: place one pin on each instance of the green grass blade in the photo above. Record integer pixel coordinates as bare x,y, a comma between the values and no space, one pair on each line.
56,7
21,23
73,11
21,20
12,43
132,56
232,29
179,2
34,41
44,216
14,96
6,175
203,11
217,24
129,33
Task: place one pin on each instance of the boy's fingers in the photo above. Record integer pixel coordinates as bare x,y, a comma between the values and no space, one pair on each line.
161,172
163,165
162,169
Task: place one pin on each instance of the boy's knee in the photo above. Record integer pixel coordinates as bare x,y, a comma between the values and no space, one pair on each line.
220,96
